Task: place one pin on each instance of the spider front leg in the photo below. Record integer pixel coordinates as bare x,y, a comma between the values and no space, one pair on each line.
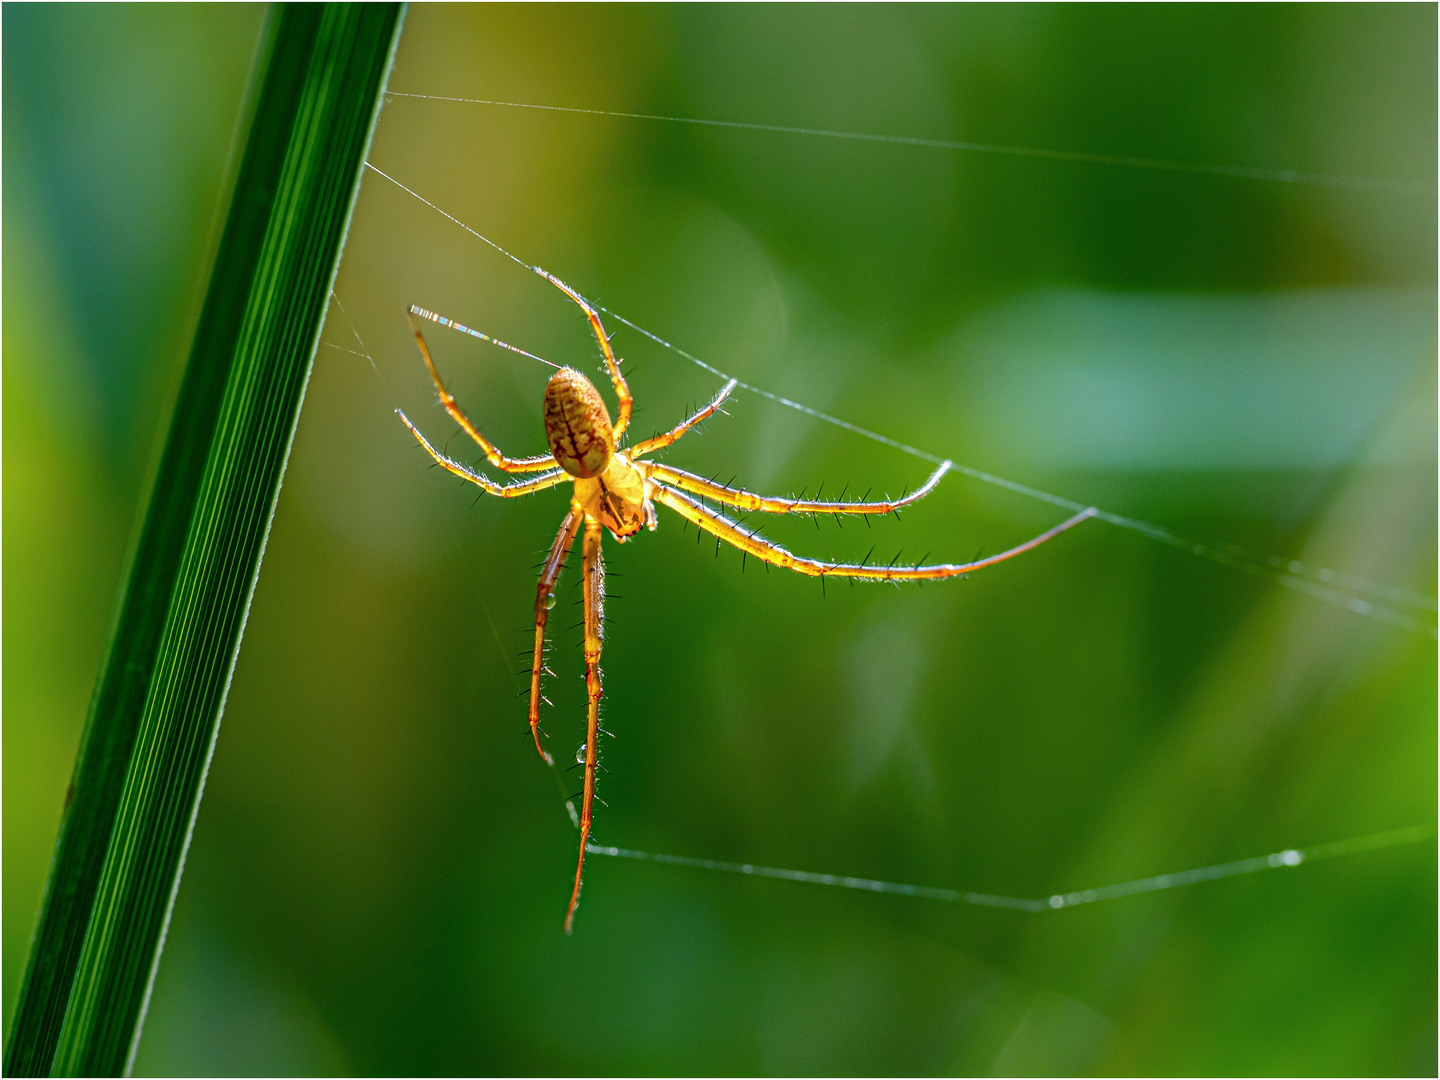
544,600
771,504
752,543
593,585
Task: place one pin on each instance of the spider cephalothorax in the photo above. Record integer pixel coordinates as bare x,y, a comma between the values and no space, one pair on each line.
615,489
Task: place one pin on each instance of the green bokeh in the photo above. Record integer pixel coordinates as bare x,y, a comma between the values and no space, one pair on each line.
381,862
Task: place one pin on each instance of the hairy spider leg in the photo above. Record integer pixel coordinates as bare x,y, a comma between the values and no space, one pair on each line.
622,389
492,452
459,327
745,500
544,600
505,491
659,442
753,544
594,589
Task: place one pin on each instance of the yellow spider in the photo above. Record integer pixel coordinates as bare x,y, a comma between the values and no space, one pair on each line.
614,489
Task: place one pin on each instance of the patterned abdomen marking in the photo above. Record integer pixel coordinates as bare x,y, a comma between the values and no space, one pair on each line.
577,424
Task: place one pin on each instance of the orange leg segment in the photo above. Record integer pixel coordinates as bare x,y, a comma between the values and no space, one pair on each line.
544,600
753,544
659,442
505,491
622,389
770,504
594,587
492,452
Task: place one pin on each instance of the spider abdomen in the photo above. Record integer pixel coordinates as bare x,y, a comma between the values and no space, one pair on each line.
577,424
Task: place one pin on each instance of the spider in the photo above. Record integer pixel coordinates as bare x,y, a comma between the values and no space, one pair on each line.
615,489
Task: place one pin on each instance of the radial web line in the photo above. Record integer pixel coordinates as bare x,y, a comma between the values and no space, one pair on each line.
1290,857
1245,172
1289,573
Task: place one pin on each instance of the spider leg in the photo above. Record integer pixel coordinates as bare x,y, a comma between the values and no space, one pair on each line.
745,500
751,543
492,452
622,389
661,441
505,491
594,588
544,598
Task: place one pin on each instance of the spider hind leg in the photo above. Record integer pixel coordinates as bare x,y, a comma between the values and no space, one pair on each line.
451,406
612,363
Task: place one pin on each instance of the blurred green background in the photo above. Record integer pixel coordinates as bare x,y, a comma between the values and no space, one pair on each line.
381,863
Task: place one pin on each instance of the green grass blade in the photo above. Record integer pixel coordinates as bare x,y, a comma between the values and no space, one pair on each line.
156,711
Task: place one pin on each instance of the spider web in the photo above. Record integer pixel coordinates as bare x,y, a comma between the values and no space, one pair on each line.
1246,172
1316,581
1351,592
1290,857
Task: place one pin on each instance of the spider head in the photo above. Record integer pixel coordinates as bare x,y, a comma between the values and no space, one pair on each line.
577,424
